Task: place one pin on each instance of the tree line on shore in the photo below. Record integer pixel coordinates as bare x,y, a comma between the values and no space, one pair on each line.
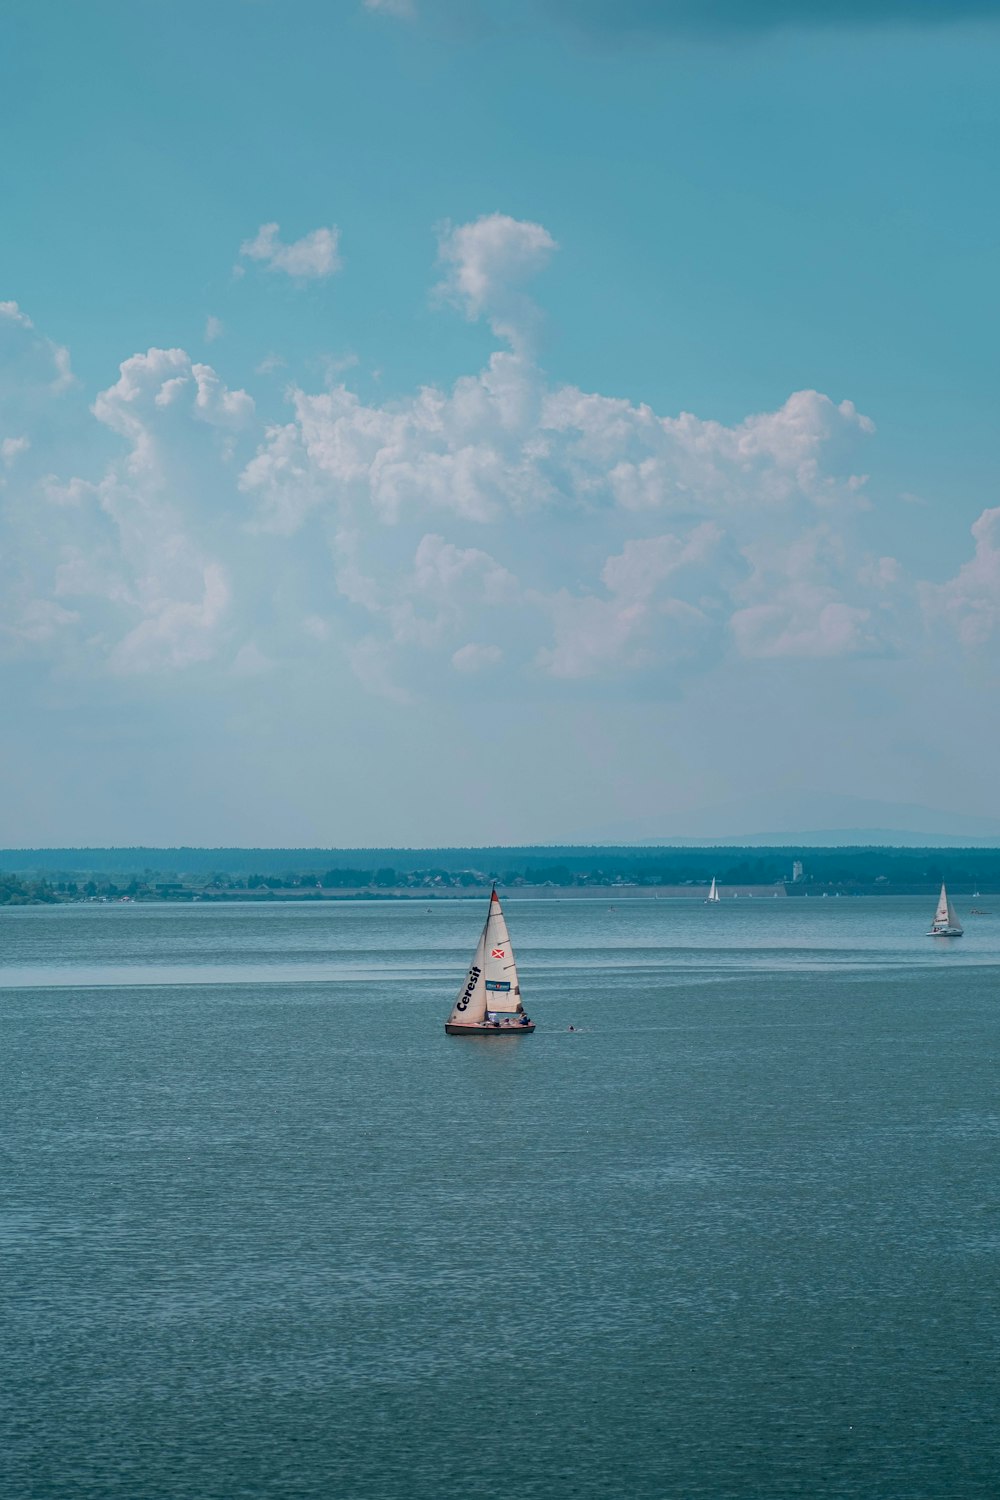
81,877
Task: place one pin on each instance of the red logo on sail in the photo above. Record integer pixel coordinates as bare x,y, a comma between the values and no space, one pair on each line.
497,953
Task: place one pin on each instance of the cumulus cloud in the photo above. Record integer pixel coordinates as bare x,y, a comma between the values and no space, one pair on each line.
502,442
486,262
311,258
162,378
173,632
970,602
421,606
473,658
125,569
504,448
504,517
635,622
64,376
13,314
29,357
802,599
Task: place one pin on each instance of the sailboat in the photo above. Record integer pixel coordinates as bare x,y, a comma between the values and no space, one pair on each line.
489,1002
945,923
713,894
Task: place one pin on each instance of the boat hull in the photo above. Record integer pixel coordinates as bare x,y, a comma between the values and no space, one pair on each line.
459,1030
947,932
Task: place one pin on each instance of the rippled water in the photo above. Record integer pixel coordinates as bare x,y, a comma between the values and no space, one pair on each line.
267,1232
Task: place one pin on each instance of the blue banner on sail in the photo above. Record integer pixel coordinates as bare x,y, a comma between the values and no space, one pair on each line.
498,984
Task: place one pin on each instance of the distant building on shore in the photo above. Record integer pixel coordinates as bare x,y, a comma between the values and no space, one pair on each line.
797,874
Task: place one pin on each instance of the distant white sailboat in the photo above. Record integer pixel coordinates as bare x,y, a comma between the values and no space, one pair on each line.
945,923
489,1002
713,894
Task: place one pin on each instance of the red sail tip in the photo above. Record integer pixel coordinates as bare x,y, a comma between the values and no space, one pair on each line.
494,896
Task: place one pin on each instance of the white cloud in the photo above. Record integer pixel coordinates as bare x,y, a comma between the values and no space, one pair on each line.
38,622
174,632
11,449
473,658
214,328
130,568
13,314
64,377
42,363
251,661
505,517
502,449
441,569
806,622
270,364
796,604
486,262
637,572
970,602
634,625
161,378
312,257
501,442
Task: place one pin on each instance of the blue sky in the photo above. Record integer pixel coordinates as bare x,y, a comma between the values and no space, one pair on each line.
438,423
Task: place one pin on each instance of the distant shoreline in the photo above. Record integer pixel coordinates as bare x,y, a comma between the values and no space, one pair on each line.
609,895
71,876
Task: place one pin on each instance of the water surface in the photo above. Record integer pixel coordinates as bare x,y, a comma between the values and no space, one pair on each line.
268,1232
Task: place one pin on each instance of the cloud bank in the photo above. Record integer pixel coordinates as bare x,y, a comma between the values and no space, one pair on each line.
311,258
504,524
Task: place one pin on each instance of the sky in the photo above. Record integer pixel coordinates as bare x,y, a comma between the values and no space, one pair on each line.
438,422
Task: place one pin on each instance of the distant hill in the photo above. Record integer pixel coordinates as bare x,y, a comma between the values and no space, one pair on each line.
815,820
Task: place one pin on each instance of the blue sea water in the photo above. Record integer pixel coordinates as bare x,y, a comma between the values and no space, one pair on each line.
266,1232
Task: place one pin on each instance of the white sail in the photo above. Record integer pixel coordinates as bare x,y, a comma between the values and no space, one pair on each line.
470,1006
945,921
491,983
713,894
503,992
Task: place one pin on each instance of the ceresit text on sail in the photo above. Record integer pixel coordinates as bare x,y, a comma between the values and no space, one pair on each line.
474,974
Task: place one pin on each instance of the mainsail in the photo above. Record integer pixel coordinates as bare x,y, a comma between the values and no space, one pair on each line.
491,984
713,894
945,923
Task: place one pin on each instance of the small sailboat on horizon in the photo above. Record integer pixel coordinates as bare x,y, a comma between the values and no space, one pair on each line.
945,923
489,1002
713,895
